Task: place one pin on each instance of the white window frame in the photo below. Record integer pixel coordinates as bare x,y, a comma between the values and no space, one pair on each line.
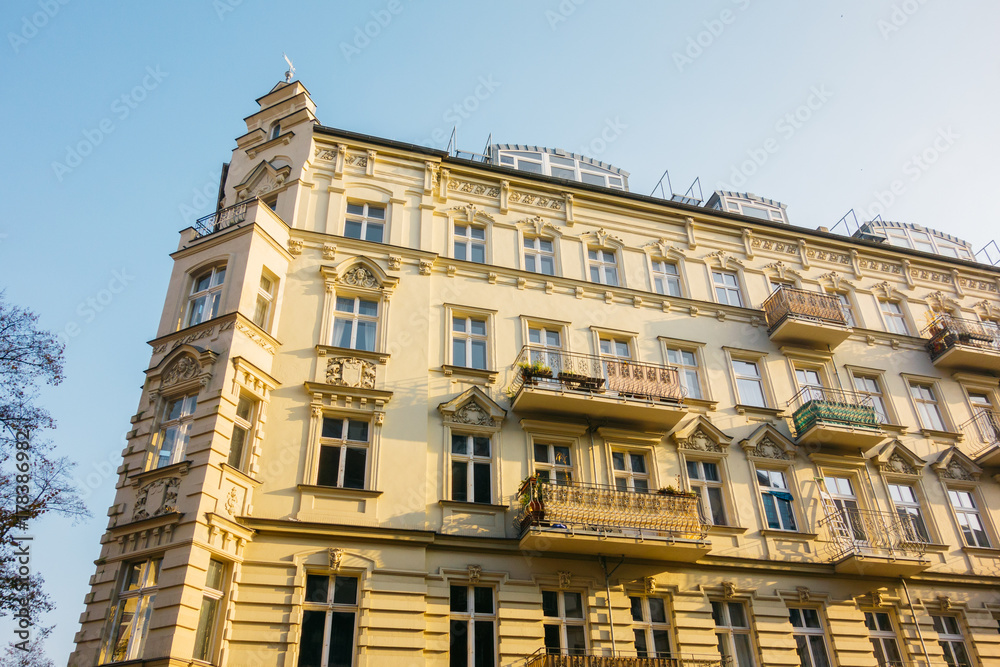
648,628
921,403
344,442
965,508
468,240
731,291
182,423
275,131
847,303
353,318
700,484
880,638
264,303
470,338
564,622
329,608
211,295
470,460
469,618
886,415
912,508
552,467
367,221
531,247
948,640
726,631
894,319
664,279
245,423
789,487
762,378
808,632
208,617
144,594
600,263
633,480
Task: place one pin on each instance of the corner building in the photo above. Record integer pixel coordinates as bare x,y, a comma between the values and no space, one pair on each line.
409,408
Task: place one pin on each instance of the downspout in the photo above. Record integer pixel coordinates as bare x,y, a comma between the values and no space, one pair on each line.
913,613
607,591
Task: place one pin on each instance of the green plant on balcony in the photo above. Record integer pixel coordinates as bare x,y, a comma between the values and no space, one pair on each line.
534,369
671,490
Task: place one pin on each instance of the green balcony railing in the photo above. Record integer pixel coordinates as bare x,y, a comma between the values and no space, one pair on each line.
816,406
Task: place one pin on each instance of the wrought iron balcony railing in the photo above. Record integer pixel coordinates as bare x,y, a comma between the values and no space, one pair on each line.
946,331
857,532
221,219
545,368
787,302
820,405
543,658
983,431
608,510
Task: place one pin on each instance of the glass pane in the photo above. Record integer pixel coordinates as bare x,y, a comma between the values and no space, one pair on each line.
483,599
661,642
459,444
366,336
484,653
341,639
561,455
744,656
213,578
818,651
311,644
357,430
342,330
352,229
552,640
481,483
236,446
329,466
461,251
458,352
481,446
354,468
737,615
693,470
640,643
711,472
333,428
345,590
574,605
368,308
206,624
657,611
576,643
541,453
375,233
478,253
618,460
459,481
811,618
316,587
356,209
550,603
636,604
638,462
459,599
479,354
716,506
458,643
802,648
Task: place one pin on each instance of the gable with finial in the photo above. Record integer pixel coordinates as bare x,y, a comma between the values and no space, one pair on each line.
939,302
262,179
836,282
768,442
896,459
723,260
781,271
536,225
359,273
662,248
471,213
953,464
602,238
701,436
473,408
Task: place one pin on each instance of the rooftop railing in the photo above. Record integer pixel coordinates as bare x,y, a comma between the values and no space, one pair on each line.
787,302
557,370
568,658
608,510
816,405
857,532
946,331
983,431
221,219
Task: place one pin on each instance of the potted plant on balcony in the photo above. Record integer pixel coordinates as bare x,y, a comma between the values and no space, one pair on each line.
671,490
534,370
533,510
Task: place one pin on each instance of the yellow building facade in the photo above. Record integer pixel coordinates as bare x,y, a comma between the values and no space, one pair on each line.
407,408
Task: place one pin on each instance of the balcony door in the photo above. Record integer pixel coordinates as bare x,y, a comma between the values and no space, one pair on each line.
985,415
614,353
841,492
809,381
546,349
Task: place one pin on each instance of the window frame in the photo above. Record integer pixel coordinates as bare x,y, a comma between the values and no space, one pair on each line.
365,220
145,595
337,287
213,293
538,254
469,241
725,633
470,617
649,628
556,434
601,264
344,443
982,516
329,608
628,474
884,397
209,594
786,472
696,484
901,316
563,622
267,298
941,405
806,631
736,289
760,359
248,425
184,422
355,317
470,337
903,506
471,460
952,638
668,278
881,636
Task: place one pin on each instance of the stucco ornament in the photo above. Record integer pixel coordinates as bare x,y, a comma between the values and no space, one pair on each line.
184,368
699,441
335,556
359,276
350,372
156,498
471,413
769,449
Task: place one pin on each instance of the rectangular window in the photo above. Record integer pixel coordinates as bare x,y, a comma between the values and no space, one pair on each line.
615,347
206,294
869,385
471,469
749,383
603,266
845,307
882,635
810,640
951,641
355,323
343,453
365,221
967,513
732,629
650,627
129,615
242,440
470,243
204,641
631,471
563,623
686,362
926,403
539,256
907,505
175,429
841,492
895,321
727,288
553,464
809,379
468,342
472,631
777,499
666,279
706,481
329,616
262,308
984,416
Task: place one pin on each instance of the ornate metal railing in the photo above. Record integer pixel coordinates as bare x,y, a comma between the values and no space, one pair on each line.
790,302
946,331
982,431
608,510
819,405
542,658
222,219
544,368
869,533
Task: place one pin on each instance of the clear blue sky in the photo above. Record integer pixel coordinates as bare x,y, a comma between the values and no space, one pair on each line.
829,103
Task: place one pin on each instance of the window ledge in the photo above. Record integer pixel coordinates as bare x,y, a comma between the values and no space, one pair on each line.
726,530
331,351
488,376
743,409
788,534
140,478
898,429
484,507
701,402
947,435
239,473
982,551
930,546
339,492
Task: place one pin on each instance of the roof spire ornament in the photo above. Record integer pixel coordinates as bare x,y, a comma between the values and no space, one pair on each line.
291,69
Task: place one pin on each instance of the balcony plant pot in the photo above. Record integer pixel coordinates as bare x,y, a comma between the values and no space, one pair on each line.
531,372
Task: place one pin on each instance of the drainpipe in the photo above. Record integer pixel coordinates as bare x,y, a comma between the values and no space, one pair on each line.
607,591
593,457
913,613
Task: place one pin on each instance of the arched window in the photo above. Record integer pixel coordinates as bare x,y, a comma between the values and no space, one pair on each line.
275,131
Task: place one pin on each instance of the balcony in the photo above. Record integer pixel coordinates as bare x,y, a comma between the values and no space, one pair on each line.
583,385
221,219
958,343
542,658
837,418
597,519
797,316
874,544
982,432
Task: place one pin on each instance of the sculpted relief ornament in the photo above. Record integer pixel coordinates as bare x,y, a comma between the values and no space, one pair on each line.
359,276
350,372
898,464
156,498
698,441
471,413
769,449
184,368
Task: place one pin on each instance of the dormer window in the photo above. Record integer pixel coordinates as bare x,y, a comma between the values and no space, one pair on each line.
275,131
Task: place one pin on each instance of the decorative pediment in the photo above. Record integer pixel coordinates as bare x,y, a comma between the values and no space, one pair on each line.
473,407
662,248
537,226
836,282
987,310
701,435
156,498
722,260
781,271
472,213
602,238
886,290
941,303
767,442
896,459
183,368
360,273
953,464
262,179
